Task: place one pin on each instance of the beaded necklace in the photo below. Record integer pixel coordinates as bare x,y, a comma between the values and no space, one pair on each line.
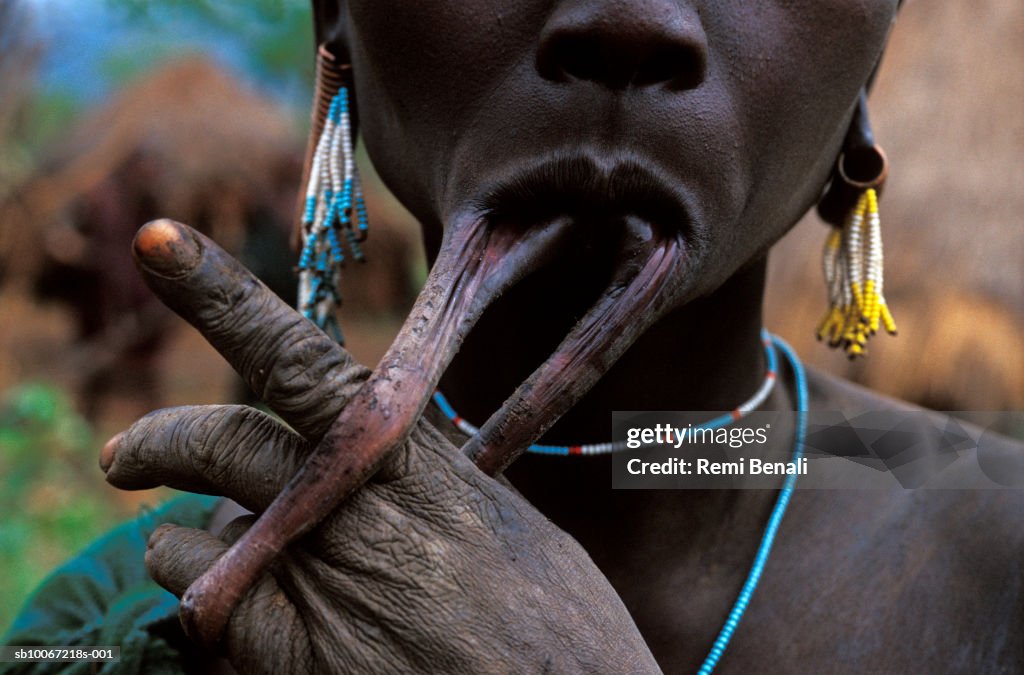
728,418
764,549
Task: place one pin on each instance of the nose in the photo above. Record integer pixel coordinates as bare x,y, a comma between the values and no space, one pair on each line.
621,44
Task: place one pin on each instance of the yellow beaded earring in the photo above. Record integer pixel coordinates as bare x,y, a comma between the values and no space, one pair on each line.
853,258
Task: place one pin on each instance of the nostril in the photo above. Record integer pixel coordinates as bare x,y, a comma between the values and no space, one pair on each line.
677,66
564,57
620,50
616,65
580,57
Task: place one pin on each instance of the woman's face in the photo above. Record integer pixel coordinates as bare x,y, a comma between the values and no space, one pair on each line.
640,152
719,121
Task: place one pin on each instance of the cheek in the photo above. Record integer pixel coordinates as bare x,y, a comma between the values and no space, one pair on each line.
765,128
793,70
797,76
421,69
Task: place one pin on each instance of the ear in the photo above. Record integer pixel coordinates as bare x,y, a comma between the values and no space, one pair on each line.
330,25
861,164
859,147
334,59
330,28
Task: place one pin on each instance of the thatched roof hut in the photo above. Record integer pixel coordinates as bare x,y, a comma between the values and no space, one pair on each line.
188,142
206,148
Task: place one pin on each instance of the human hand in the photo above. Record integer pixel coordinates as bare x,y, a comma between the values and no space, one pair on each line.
429,566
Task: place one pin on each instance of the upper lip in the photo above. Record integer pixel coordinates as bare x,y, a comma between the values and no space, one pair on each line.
583,184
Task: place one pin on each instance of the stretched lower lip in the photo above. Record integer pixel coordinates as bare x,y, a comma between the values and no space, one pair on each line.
479,259
477,262
634,299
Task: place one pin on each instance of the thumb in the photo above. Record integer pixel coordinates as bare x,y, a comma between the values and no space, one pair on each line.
266,633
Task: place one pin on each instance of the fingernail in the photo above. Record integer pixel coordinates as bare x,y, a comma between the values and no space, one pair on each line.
109,451
166,248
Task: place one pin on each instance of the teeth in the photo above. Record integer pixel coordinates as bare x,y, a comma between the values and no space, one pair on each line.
634,300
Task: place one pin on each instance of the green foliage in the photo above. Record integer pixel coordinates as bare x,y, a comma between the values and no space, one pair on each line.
47,116
52,496
41,118
125,65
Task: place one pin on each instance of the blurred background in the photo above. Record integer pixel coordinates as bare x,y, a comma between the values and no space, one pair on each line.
112,113
115,112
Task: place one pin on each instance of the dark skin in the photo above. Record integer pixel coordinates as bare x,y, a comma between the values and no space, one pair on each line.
734,113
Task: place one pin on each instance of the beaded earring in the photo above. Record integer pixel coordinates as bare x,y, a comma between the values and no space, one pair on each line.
852,258
333,209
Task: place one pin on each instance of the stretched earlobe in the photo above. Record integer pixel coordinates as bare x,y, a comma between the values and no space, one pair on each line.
853,259
861,165
330,26
333,73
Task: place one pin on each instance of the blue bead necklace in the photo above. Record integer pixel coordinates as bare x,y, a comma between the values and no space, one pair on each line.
772,342
778,511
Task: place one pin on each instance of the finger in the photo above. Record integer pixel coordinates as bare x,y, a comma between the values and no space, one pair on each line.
227,450
236,528
176,556
474,266
266,633
287,361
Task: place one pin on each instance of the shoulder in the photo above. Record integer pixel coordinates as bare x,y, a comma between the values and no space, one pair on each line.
921,448
942,540
828,392
929,456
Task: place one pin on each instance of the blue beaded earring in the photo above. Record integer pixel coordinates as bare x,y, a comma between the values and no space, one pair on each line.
333,209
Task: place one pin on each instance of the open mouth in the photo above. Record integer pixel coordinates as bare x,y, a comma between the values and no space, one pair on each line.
584,187
637,226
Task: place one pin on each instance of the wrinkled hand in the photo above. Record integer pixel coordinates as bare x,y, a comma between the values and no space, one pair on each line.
431,566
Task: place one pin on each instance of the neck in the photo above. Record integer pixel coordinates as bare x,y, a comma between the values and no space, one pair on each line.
704,356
